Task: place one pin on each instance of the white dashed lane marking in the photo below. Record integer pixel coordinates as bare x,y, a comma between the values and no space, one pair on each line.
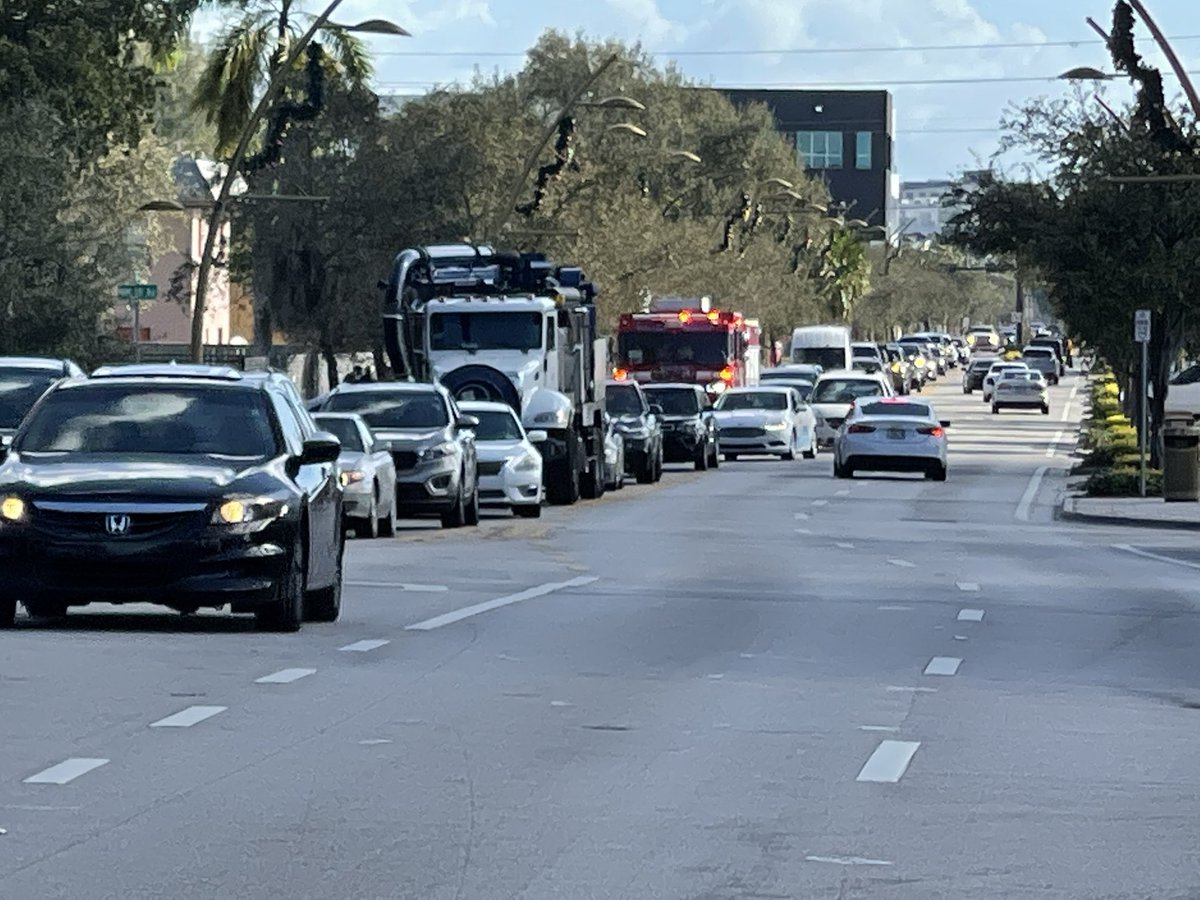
894,608
943,665
845,545
186,718
969,586
889,762
401,586
820,503
848,860
66,771
364,646
284,676
902,563
970,615
467,612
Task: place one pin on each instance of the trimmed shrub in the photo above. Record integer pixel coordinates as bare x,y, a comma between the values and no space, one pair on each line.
1122,482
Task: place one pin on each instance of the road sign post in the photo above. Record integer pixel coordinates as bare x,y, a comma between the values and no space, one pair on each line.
136,294
1141,334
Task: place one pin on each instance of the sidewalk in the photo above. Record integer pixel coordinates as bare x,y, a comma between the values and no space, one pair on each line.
1150,512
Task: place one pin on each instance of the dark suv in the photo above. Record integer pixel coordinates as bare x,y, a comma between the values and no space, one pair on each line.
688,427
186,486
638,424
23,379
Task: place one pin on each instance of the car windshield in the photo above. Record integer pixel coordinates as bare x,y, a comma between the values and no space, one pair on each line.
706,348
622,400
801,386
19,390
393,410
753,400
845,390
485,331
675,401
870,352
825,357
784,374
345,430
980,365
915,410
152,418
496,425
1039,353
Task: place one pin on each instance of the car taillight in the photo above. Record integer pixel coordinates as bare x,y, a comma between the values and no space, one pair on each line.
935,431
861,429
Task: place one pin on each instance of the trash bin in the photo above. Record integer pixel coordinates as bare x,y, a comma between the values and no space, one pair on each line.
1181,460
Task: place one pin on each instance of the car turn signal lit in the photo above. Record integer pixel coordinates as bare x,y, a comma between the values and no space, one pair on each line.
620,374
12,509
726,374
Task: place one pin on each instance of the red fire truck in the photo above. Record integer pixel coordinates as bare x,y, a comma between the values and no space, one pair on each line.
687,340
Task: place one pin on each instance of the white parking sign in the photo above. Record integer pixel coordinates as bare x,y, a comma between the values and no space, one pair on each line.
1141,326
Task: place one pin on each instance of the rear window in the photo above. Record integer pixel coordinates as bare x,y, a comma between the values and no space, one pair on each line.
1038,352
393,409
845,390
865,351
19,390
753,400
914,410
674,401
345,430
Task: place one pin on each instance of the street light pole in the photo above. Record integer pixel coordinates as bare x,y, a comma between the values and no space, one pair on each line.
217,213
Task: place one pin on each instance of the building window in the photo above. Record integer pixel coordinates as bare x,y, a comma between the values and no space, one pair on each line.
862,150
820,149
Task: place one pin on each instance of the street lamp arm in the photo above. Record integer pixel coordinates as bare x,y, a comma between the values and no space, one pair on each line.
510,200
274,86
1169,53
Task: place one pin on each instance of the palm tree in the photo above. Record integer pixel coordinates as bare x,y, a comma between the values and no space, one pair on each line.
251,49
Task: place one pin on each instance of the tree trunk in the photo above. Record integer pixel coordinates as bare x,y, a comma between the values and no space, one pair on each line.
264,327
331,366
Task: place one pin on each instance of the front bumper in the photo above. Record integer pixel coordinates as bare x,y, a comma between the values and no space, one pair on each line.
682,445
511,488
197,569
430,487
356,500
1020,402
754,440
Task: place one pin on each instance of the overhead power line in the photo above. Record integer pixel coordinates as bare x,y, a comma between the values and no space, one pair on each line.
789,51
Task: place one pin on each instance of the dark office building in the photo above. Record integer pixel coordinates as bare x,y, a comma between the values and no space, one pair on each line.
845,138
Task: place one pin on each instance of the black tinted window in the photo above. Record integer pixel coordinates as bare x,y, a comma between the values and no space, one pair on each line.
753,400
345,430
383,410
496,426
19,390
622,400
152,418
674,401
919,410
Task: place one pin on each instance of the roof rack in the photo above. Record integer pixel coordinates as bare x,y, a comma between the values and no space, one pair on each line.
168,370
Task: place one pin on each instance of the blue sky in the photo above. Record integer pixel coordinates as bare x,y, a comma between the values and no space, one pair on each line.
940,128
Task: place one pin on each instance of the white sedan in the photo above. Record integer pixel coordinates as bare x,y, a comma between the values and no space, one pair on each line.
834,395
510,465
771,421
996,372
892,434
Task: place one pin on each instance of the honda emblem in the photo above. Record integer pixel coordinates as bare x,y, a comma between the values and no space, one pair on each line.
117,524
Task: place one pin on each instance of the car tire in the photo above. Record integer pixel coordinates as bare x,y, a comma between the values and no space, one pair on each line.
811,452
937,473
286,613
731,457
995,410
1045,410
368,528
8,613
325,604
471,513
456,516
592,485
841,471
659,466
702,459
790,453
387,524
967,391
531,511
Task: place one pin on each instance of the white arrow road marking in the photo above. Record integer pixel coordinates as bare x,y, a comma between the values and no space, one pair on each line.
943,665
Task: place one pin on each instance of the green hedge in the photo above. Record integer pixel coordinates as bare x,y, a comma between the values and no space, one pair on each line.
1122,482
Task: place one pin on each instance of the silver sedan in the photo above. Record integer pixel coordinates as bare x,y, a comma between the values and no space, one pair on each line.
368,476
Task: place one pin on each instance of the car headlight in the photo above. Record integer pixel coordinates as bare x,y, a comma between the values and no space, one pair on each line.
524,463
438,451
12,509
776,426
351,476
253,511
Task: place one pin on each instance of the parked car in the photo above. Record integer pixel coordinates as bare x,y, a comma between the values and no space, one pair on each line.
431,442
1183,390
765,420
689,429
510,463
639,427
614,456
835,393
368,476
892,434
23,379
187,486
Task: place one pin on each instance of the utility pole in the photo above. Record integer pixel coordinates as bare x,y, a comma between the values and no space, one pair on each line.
1141,334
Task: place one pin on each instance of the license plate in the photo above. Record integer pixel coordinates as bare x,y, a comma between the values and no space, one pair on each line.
896,433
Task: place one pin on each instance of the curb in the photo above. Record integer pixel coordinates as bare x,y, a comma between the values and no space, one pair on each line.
1067,512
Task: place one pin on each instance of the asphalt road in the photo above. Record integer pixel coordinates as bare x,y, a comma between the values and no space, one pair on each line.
759,682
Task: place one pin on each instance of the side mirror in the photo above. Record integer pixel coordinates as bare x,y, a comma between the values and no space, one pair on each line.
467,422
537,437
945,423
655,409
321,448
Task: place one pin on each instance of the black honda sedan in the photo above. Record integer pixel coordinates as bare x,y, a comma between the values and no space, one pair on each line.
186,486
